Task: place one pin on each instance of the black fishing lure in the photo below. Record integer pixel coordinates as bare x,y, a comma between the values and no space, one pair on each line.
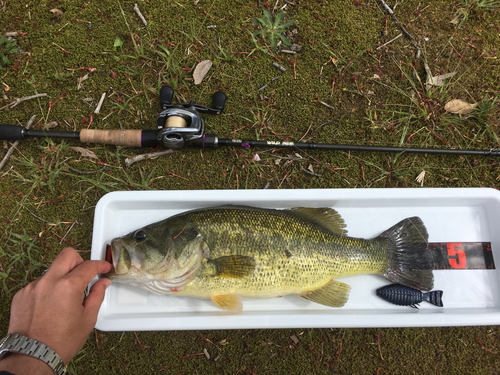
406,296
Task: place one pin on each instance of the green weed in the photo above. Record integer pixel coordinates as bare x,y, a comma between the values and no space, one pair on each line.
7,47
272,31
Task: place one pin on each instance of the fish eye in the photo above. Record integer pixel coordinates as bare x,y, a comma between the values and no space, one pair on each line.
140,236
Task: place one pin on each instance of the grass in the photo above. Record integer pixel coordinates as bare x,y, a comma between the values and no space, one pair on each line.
49,191
8,46
22,261
474,7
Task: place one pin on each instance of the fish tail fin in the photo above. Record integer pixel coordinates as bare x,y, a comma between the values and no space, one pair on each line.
410,261
435,297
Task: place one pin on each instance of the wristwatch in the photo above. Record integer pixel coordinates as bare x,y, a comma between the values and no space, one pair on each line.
14,342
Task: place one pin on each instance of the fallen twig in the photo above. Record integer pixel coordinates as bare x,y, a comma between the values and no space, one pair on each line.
23,99
150,155
484,347
71,227
309,172
62,49
99,105
118,358
190,355
378,343
103,169
138,11
16,143
278,66
327,105
405,32
386,7
65,240
390,41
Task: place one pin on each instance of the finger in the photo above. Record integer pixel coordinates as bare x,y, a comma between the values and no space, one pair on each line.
85,272
93,302
67,260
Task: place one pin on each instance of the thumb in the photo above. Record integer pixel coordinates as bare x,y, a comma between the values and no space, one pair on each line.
93,302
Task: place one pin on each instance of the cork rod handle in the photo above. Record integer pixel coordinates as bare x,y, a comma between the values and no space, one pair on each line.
130,138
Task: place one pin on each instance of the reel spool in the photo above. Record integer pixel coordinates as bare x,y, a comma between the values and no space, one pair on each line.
180,124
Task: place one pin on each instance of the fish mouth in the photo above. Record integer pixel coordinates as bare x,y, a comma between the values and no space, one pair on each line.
125,259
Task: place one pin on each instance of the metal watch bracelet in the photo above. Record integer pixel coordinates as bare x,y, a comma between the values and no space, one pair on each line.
14,342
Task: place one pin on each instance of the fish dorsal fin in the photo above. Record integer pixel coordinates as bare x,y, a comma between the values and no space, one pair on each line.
333,293
228,302
327,217
231,266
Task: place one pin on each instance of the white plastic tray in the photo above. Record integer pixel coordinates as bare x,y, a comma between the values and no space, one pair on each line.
471,297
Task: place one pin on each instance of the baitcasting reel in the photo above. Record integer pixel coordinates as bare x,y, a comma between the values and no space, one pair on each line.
180,124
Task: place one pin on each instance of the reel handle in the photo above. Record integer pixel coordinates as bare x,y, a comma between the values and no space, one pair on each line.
166,96
129,138
218,101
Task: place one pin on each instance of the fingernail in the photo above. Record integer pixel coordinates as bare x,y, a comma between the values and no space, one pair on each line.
107,283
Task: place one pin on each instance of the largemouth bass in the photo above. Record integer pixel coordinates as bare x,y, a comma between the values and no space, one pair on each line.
227,252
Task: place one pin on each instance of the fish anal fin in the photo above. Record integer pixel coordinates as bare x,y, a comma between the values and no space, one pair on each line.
333,293
228,302
327,217
231,266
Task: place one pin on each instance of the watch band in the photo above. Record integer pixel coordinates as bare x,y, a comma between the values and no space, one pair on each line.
14,342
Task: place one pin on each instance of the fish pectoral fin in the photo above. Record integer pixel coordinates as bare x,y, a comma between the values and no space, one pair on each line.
228,302
231,266
333,293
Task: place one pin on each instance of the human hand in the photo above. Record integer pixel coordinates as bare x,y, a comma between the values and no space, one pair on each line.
52,309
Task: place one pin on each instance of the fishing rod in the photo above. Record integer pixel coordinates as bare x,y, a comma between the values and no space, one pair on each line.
181,125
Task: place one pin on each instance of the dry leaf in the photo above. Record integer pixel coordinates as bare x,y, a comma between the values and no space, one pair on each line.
80,80
420,178
85,152
459,107
57,12
439,80
50,125
201,71
436,80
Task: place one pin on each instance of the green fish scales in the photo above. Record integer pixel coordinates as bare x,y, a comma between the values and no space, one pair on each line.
227,252
291,252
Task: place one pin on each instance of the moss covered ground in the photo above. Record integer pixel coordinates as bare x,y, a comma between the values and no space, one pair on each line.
75,51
